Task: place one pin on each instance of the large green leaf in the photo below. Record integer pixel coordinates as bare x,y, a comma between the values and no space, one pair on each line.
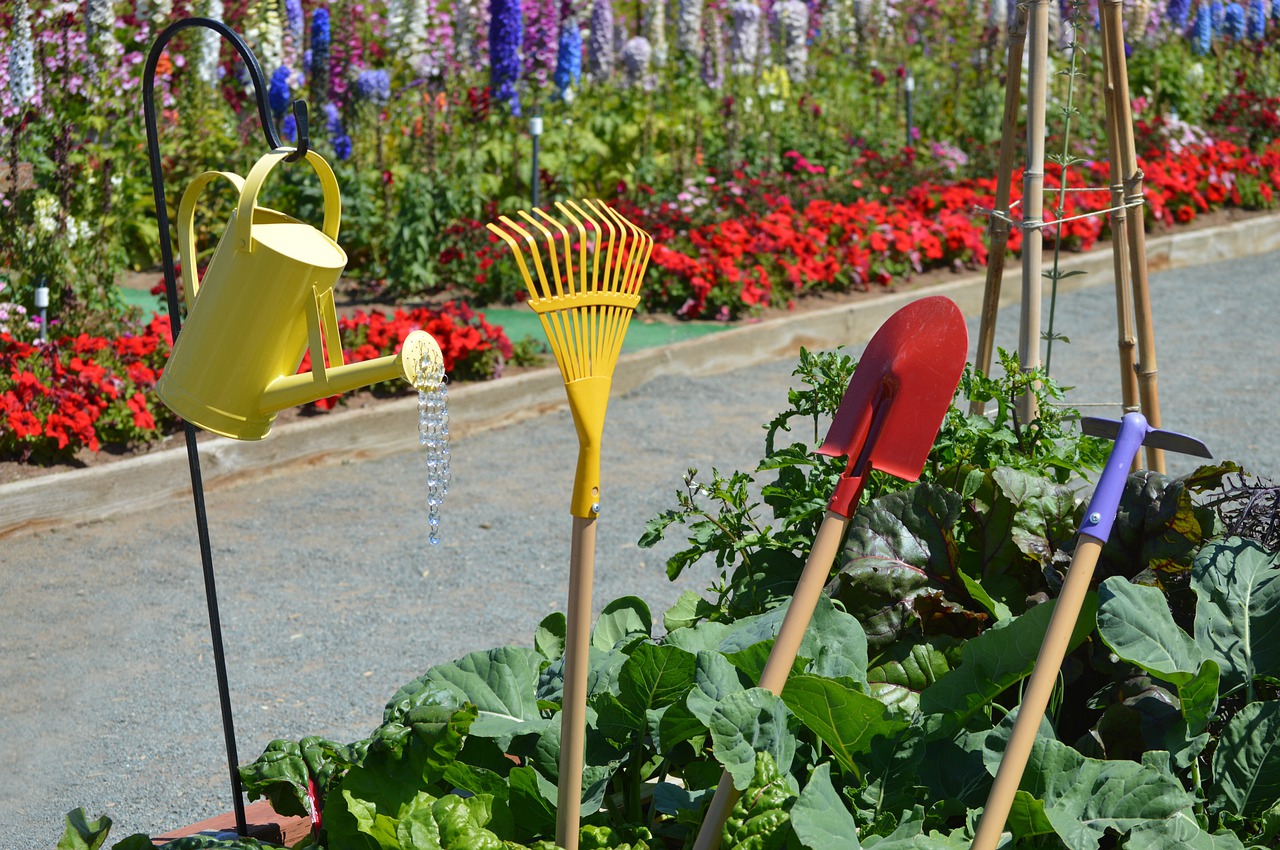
998,659
1084,798
282,773
1237,584
550,635
622,622
748,722
819,815
502,684
1246,763
899,675
654,676
600,761
1136,623
1180,831
845,718
715,679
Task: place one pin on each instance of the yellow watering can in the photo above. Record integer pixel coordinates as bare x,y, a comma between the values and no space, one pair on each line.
266,299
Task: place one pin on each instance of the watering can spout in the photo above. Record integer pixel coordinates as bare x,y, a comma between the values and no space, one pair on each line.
322,381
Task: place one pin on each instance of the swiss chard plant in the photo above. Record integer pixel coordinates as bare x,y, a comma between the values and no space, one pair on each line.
899,706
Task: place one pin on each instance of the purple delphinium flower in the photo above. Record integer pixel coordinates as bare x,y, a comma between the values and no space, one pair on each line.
568,55
541,33
337,135
506,31
374,86
289,128
600,40
1179,13
319,60
294,20
1217,16
278,91
1202,32
1233,22
1257,19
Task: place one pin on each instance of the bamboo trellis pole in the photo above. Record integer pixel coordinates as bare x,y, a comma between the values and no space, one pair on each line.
1000,223
1033,198
1113,55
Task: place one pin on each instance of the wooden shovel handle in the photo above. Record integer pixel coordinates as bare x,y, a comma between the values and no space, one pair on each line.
783,655
1036,698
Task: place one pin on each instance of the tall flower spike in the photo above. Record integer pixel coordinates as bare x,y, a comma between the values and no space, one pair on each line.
1179,13
569,55
320,55
541,32
210,45
100,19
1257,19
22,67
1233,21
793,26
1202,32
713,53
744,36
506,31
600,41
689,28
278,91
655,30
636,55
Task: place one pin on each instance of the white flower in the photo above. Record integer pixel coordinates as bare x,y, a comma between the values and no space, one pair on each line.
689,27
22,70
744,35
209,45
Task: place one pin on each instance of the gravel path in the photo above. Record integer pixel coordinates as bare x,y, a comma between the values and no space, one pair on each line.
331,599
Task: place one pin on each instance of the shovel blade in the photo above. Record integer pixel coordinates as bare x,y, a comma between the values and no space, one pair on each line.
914,362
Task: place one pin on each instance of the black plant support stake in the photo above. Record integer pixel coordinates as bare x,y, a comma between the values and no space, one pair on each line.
175,321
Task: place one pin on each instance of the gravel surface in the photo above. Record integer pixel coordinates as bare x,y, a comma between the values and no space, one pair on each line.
331,598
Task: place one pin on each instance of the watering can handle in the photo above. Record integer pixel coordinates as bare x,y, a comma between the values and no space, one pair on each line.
187,226
253,182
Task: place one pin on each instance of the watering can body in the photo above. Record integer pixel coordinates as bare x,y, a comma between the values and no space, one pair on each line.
265,299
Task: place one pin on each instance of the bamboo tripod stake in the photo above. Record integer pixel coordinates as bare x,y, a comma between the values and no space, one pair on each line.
584,312
1112,23
1033,199
1133,302
1000,222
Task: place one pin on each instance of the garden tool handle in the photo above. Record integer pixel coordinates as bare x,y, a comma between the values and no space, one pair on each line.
577,655
783,655
1099,518
253,183
187,227
588,402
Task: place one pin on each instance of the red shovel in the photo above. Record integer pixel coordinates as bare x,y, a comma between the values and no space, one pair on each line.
887,420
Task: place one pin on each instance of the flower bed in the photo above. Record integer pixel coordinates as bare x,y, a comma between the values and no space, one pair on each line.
85,392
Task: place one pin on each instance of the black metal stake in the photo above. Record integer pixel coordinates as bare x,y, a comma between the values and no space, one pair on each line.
910,87
175,321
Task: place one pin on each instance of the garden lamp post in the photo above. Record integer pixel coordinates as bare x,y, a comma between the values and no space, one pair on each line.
535,130
42,304
910,88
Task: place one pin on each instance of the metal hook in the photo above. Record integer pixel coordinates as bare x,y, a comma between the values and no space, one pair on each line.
304,131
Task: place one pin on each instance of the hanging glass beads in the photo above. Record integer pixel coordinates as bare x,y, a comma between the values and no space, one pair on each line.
433,435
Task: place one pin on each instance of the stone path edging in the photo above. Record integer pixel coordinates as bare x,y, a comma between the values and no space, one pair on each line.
154,479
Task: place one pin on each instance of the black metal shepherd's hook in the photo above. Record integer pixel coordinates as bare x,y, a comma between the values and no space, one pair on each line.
175,321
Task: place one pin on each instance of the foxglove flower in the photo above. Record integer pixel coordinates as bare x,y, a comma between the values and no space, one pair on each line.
655,30
506,31
568,55
1257,19
467,17
1233,23
22,67
600,40
689,27
1179,13
744,35
266,34
427,38
337,135
712,71
636,56
278,91
319,61
1202,32
374,86
793,26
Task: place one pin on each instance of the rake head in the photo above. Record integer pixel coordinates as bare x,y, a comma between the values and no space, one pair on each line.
587,265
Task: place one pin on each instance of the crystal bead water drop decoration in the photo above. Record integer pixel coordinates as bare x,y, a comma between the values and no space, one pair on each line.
433,435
